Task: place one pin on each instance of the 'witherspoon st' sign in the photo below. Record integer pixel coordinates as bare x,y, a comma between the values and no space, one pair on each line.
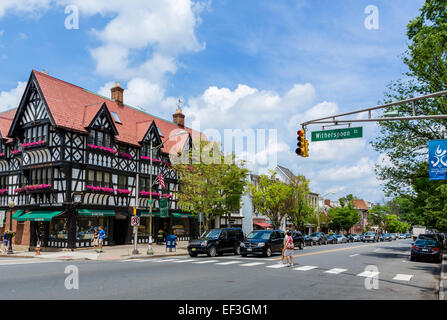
337,134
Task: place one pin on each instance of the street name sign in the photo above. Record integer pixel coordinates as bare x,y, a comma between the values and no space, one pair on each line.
337,134
437,159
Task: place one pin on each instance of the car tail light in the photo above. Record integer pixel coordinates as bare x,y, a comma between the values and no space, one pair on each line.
414,247
435,249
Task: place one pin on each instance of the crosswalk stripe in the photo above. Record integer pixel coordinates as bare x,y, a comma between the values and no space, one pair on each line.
403,277
227,263
252,264
368,274
354,255
206,261
336,271
305,268
181,261
165,260
277,266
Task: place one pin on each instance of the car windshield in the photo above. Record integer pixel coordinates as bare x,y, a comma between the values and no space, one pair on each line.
425,243
262,235
213,234
386,234
315,234
369,233
339,236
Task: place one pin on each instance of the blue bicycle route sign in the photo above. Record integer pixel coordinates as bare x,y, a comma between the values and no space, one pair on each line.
437,159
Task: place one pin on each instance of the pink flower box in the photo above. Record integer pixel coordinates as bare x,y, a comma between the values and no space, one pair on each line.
3,191
19,190
37,187
125,155
109,150
149,159
32,144
99,189
123,191
147,194
165,195
14,152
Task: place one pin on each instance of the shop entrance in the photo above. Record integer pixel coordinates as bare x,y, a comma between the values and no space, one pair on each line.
120,231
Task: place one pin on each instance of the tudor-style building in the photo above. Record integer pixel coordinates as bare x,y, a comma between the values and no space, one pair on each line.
63,141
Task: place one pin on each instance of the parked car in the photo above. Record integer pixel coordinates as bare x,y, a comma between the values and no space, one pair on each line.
370,236
386,237
217,242
361,237
402,236
308,240
341,239
432,236
263,242
298,239
353,237
331,239
393,236
426,249
319,237
408,235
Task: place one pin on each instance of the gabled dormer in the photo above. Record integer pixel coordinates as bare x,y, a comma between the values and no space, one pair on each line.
102,129
33,117
152,134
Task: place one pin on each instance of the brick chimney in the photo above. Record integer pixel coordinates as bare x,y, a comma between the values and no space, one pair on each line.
179,117
118,93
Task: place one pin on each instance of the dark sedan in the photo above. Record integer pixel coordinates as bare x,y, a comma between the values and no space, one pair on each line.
331,239
308,240
426,249
298,239
386,237
263,242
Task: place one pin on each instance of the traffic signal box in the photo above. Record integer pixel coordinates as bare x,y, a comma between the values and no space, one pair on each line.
302,144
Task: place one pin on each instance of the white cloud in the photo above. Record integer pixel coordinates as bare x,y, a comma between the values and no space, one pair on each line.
364,168
29,7
10,99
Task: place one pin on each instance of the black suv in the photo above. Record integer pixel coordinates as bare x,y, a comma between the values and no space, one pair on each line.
263,242
298,239
217,241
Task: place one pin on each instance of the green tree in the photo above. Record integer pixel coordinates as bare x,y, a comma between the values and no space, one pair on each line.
272,198
435,213
346,201
214,189
405,142
343,218
376,215
300,209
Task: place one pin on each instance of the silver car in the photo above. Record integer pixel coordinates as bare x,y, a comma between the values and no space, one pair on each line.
341,239
370,236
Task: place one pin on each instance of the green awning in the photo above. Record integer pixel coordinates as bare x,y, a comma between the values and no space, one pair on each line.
146,214
96,213
182,215
39,216
17,214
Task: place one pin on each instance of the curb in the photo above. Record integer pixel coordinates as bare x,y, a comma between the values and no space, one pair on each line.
154,256
441,281
16,256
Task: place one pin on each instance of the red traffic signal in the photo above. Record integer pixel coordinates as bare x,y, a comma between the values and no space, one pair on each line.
300,144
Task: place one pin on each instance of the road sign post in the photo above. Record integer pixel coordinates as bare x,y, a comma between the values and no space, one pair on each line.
135,222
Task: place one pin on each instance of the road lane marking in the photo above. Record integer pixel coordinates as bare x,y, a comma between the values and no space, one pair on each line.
252,264
403,277
206,261
329,251
166,260
336,271
368,274
353,255
227,263
305,268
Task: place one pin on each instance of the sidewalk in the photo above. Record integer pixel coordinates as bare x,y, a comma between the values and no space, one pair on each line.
110,253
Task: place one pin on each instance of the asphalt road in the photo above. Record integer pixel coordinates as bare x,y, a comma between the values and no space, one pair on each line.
320,272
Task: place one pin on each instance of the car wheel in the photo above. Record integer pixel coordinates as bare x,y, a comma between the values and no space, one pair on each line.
412,258
243,255
268,252
237,250
212,251
193,254
439,259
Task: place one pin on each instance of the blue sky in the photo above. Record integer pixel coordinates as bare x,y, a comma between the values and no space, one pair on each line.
236,64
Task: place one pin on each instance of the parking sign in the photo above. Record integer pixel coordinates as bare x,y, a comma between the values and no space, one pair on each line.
135,221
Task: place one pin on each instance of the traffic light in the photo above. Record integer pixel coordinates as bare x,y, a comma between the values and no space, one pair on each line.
302,144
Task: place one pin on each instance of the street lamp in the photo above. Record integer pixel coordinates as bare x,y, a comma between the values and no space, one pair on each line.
181,133
11,205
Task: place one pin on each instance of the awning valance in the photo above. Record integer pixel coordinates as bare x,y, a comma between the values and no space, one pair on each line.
39,216
264,225
96,213
147,214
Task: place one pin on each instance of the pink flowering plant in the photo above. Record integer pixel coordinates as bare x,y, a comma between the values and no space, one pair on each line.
38,187
3,191
147,194
101,148
166,195
19,190
149,159
99,189
32,144
125,155
14,152
123,191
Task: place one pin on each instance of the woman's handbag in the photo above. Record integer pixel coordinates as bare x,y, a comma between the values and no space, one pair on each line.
290,244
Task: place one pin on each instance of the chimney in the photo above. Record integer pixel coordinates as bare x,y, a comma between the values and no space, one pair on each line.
179,118
118,94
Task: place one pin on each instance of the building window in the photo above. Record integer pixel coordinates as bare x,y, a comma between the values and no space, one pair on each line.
38,176
36,133
100,138
99,178
122,182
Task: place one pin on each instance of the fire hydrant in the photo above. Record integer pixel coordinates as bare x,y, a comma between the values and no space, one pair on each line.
38,250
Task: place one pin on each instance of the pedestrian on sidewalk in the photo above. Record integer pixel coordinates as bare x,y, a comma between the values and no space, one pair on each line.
101,237
289,249
95,238
283,249
5,242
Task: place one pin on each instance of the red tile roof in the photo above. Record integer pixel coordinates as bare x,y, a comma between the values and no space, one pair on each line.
6,118
74,108
359,204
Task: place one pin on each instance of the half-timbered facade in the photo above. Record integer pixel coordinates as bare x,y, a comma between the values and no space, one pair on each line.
62,141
